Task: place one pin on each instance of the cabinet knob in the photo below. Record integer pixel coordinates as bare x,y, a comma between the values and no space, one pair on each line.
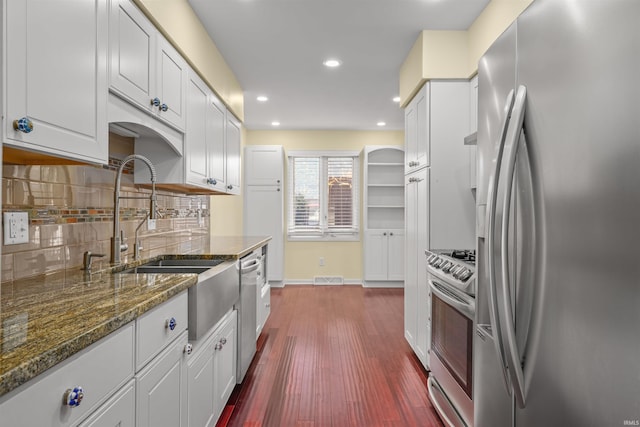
23,125
188,348
212,181
384,234
278,181
163,107
390,234
267,305
171,323
223,341
218,346
156,102
230,187
278,189
73,397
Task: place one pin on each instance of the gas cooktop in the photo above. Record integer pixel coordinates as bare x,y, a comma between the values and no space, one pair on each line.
455,266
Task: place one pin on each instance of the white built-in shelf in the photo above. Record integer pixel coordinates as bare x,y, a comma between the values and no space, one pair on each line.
384,188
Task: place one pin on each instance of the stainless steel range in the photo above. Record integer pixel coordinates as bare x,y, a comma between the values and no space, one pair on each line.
452,284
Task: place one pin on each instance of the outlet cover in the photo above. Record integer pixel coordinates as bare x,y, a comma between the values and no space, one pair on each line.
16,228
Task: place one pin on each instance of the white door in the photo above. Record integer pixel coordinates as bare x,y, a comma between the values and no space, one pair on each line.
160,389
395,255
195,150
216,144
132,44
171,77
225,363
201,389
264,165
56,77
264,213
376,255
232,155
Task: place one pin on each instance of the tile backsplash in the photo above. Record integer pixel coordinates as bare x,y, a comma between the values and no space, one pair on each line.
71,211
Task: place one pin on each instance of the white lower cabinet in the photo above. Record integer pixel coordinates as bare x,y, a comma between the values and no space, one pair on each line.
119,411
160,388
211,373
264,307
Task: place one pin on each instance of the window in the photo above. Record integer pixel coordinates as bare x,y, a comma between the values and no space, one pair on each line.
323,196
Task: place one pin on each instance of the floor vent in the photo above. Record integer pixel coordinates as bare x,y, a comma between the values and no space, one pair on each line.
328,280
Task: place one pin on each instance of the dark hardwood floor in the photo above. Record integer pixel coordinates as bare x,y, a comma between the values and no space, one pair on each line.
333,356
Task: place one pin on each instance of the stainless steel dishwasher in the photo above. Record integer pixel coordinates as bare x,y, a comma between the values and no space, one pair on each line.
246,306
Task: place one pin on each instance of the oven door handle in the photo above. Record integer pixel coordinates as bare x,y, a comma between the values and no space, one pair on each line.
467,308
491,230
512,352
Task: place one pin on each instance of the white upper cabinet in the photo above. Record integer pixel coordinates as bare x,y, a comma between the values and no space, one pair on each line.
233,136
211,155
144,68
264,165
417,131
55,74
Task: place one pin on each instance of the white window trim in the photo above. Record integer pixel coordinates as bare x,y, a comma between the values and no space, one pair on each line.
334,235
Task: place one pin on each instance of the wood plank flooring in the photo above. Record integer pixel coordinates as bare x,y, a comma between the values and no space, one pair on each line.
333,356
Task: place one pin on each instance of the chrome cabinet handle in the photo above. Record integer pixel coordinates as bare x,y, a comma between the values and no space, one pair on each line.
155,102
73,397
163,107
23,125
171,323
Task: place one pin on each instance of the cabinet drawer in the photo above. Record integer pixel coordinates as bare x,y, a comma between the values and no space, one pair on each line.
99,369
118,411
153,329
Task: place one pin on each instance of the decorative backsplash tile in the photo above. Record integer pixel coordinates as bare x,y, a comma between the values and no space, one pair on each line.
71,211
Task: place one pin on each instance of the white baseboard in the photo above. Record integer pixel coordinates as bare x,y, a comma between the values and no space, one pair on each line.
310,282
383,284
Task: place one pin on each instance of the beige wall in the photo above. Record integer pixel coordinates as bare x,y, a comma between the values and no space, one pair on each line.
341,258
180,25
455,54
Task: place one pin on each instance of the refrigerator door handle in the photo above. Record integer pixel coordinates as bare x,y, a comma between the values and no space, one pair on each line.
490,227
507,316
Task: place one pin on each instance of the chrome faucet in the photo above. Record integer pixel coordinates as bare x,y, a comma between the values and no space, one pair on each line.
117,244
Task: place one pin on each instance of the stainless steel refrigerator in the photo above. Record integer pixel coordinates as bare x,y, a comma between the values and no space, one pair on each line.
557,338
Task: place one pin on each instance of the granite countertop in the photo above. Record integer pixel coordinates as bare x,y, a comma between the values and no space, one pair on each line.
46,319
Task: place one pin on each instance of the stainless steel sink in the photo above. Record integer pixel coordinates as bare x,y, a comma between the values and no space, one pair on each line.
217,290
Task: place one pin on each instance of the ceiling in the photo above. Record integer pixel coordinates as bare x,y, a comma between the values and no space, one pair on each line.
276,48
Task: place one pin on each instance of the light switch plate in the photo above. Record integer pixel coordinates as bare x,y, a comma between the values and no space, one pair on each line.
16,228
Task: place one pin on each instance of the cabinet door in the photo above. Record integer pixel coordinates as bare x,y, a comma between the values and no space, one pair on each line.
160,388
264,165
264,306
225,363
56,75
216,144
411,268
376,255
421,243
395,255
132,45
417,131
171,78
118,411
200,389
263,216
195,150
232,145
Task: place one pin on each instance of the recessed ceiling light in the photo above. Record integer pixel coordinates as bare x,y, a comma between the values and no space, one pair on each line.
332,63
275,123
381,124
396,99
262,98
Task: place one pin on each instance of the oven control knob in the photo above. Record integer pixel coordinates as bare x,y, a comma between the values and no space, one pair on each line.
460,273
446,266
454,270
464,277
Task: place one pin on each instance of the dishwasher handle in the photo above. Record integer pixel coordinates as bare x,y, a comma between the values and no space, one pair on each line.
249,266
